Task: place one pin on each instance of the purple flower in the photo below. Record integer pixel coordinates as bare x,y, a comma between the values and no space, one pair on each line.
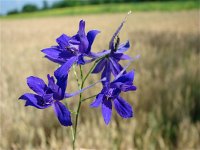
110,62
111,92
76,47
49,95
53,93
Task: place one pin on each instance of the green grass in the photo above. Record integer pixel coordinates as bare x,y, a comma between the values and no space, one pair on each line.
111,8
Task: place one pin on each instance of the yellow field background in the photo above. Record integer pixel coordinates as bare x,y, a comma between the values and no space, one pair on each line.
166,103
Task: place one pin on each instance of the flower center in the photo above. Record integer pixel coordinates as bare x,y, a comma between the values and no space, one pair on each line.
112,93
71,49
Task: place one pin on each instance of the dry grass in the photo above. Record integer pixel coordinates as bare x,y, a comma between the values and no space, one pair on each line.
166,104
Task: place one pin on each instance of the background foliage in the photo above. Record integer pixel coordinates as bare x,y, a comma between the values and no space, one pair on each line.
103,6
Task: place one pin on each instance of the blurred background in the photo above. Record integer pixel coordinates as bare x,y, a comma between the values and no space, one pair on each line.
166,34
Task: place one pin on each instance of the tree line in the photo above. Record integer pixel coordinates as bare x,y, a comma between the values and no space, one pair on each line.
71,3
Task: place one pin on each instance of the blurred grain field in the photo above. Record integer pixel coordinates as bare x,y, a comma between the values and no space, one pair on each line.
166,104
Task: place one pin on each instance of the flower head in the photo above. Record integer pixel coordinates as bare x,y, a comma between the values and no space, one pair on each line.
77,46
111,93
110,62
50,94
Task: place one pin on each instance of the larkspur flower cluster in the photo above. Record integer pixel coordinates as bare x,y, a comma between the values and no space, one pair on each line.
76,50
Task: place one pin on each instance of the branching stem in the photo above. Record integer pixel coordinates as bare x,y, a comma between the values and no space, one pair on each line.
83,79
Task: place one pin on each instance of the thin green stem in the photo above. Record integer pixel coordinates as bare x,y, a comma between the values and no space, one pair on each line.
83,79
91,69
77,80
78,109
88,98
81,71
72,133
74,69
